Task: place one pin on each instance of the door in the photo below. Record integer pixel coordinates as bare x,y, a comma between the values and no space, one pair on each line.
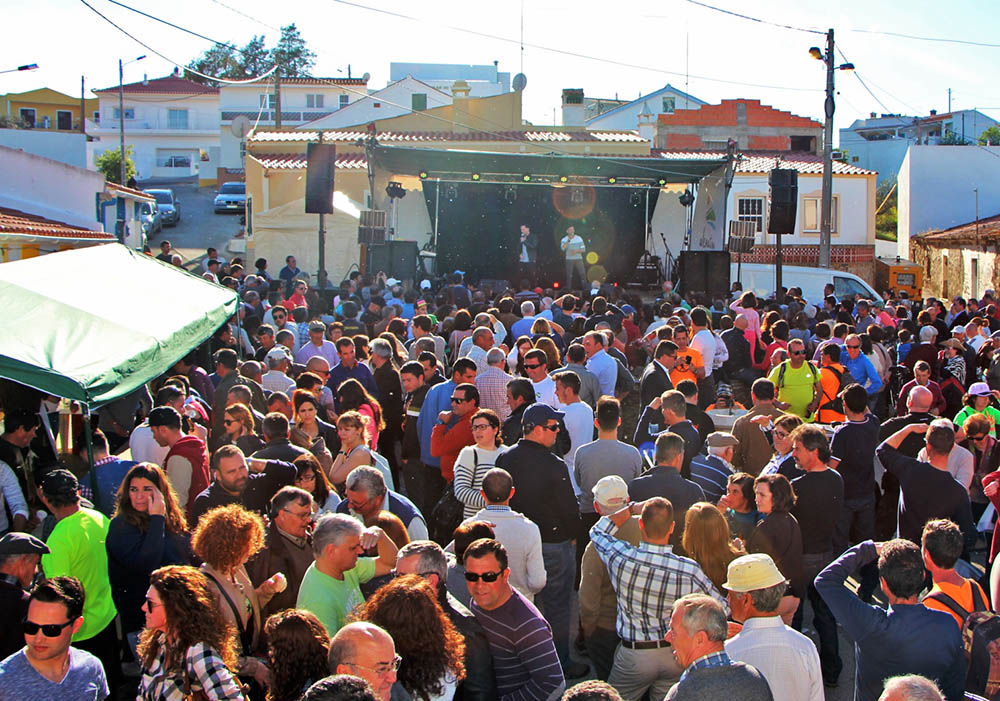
64,120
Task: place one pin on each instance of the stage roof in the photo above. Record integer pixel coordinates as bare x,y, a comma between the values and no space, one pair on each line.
452,162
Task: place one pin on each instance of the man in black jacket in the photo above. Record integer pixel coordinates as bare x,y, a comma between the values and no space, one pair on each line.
656,377
520,395
738,366
545,495
668,412
426,559
236,480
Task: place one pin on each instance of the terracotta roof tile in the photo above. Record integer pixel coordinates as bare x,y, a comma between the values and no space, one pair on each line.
13,221
390,137
987,228
765,161
293,161
129,191
171,84
312,81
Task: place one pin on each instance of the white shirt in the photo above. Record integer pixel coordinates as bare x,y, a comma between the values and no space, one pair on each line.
144,447
606,369
579,422
573,246
704,343
787,659
523,541
10,492
545,392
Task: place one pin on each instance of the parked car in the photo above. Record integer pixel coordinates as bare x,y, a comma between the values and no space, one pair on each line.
168,204
231,197
152,220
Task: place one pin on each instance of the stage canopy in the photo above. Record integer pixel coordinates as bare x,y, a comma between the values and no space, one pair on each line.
93,324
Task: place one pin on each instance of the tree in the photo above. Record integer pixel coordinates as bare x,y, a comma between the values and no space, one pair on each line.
293,57
886,215
990,137
254,58
220,61
109,163
951,138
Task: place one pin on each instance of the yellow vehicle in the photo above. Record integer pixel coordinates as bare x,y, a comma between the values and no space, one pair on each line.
899,275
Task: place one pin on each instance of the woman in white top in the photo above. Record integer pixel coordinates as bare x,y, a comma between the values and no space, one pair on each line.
475,460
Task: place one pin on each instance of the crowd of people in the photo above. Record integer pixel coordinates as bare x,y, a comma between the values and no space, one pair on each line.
453,492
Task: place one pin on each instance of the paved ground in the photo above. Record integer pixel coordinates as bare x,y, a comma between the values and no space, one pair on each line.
199,227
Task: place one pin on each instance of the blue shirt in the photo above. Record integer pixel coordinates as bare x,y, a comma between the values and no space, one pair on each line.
438,399
359,372
606,369
862,370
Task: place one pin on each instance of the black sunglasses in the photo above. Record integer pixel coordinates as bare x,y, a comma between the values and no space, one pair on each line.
459,400
487,577
532,367
554,428
49,630
801,352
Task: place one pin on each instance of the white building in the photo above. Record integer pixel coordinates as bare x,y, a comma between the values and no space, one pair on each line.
483,81
880,142
626,116
303,100
172,123
943,187
396,99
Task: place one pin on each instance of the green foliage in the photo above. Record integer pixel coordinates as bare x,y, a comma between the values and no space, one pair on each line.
885,218
950,138
990,137
291,53
255,59
221,61
109,163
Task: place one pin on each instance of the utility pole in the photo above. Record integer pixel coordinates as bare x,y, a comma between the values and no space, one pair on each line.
322,232
277,98
827,204
121,119
949,99
83,109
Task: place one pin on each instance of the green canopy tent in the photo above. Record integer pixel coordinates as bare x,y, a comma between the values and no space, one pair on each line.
93,324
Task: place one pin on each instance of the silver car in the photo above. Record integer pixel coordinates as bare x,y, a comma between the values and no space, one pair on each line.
152,221
168,204
231,197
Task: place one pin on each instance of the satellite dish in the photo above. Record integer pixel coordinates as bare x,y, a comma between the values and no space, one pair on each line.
240,126
366,77
520,80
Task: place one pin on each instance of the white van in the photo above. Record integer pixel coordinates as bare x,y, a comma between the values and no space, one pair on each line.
759,277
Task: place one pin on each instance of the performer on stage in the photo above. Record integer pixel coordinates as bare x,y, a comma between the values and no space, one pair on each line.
574,249
529,253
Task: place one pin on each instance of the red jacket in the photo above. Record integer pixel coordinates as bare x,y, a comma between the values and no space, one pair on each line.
447,442
192,449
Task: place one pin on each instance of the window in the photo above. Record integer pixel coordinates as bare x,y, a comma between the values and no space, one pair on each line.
177,119
377,105
668,105
751,209
268,100
944,277
28,116
129,113
715,145
975,278
812,214
97,116
418,101
344,99
64,120
314,101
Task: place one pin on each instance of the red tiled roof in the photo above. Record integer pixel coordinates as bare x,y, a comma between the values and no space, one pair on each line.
766,161
757,115
293,161
171,84
987,228
314,81
271,136
129,191
13,221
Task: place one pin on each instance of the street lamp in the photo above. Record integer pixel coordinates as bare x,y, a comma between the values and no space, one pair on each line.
25,67
828,107
121,112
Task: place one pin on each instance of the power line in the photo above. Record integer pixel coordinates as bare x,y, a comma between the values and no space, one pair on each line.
754,19
171,24
167,58
572,54
252,19
943,40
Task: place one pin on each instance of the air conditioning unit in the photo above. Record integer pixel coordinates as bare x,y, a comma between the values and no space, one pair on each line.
838,156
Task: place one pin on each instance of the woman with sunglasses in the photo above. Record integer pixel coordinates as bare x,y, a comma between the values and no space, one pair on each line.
187,648
985,449
778,435
238,425
312,478
354,452
148,531
978,401
474,461
225,538
352,396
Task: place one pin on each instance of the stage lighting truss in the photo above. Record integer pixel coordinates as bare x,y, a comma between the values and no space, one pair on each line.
575,182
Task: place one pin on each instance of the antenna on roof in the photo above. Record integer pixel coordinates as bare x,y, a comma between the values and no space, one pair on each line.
520,80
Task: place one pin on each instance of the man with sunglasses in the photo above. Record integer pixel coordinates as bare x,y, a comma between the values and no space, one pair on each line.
47,667
860,367
798,381
524,657
20,554
454,428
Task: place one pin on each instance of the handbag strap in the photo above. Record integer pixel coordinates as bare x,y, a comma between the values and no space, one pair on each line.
229,600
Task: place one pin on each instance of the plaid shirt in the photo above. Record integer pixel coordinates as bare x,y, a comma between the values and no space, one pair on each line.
492,386
714,659
648,579
205,672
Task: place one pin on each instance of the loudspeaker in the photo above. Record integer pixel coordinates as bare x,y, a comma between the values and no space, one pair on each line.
784,183
397,259
371,227
320,160
705,272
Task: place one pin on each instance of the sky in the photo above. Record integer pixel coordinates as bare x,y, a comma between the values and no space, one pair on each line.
624,48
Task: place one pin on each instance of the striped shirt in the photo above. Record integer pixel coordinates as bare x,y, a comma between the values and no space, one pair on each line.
711,473
524,657
648,579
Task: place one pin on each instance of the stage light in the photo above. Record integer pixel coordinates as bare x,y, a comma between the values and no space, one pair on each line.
635,199
526,178
576,196
612,180
395,190
451,193
686,198
563,179
510,195
423,175
555,285
475,177
661,182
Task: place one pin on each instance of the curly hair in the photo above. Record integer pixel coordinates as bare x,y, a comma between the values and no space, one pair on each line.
241,412
176,520
228,536
706,541
431,648
192,616
297,645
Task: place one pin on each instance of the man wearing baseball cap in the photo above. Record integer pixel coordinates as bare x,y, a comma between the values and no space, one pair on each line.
545,495
787,659
317,345
598,602
19,557
276,379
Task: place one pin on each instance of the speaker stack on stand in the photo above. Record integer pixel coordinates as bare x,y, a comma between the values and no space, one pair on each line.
784,184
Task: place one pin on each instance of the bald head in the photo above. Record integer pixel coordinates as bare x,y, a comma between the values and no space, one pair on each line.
741,322
318,365
920,399
362,649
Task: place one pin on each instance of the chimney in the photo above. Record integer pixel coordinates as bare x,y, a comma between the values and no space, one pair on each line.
933,113
647,123
572,107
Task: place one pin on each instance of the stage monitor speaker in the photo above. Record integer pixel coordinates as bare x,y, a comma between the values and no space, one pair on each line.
320,160
784,183
705,272
397,259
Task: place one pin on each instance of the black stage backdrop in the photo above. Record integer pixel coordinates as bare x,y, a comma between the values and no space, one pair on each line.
479,227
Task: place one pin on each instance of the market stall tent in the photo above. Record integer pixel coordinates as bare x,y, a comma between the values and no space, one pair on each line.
93,324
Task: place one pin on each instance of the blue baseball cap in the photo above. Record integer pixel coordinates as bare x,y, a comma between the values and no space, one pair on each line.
537,414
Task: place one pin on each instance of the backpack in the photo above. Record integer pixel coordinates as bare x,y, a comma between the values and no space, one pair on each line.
784,366
980,633
844,379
